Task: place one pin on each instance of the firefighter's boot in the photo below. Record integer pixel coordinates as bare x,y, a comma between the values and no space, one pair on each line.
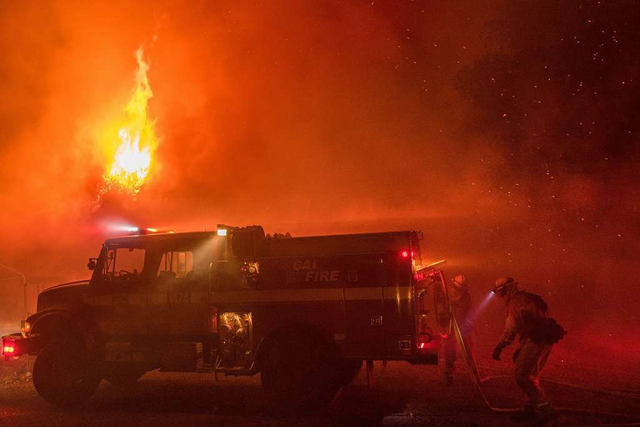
448,379
528,414
545,413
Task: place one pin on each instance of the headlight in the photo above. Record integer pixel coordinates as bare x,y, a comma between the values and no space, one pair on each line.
25,328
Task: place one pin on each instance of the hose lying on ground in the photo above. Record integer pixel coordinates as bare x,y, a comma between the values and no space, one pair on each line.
477,380
565,384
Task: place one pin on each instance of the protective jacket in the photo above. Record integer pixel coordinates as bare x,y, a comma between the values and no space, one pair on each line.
527,312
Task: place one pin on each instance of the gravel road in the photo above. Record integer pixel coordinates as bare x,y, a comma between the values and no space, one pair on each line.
402,395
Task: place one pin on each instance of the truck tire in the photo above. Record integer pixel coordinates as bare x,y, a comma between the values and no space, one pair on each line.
300,372
350,369
64,376
125,375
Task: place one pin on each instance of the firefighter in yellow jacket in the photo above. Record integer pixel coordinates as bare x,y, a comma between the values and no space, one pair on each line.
528,318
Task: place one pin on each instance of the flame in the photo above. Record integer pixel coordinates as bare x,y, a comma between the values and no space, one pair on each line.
132,158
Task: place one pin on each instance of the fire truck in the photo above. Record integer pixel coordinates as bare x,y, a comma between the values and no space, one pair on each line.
306,312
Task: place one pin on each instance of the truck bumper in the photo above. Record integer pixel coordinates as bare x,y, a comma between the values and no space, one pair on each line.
424,359
15,345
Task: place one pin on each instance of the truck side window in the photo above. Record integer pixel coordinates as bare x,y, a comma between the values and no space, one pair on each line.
176,264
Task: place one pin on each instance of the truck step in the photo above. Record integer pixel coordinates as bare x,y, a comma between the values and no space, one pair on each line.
233,371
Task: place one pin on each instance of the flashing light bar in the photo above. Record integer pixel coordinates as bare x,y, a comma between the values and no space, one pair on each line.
138,230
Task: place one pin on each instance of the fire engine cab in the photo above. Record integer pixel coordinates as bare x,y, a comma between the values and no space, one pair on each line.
304,312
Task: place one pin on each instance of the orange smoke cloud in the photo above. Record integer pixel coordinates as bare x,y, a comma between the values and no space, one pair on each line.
318,117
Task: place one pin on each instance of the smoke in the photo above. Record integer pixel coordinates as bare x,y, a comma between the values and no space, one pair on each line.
506,134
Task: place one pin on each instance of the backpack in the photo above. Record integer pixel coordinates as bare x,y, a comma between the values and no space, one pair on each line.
537,299
542,330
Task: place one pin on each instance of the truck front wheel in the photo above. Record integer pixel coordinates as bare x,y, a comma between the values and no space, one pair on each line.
64,376
124,375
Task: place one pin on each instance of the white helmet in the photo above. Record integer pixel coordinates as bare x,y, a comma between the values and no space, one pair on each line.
503,284
459,281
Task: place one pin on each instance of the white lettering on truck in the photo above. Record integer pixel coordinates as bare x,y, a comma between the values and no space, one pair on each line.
313,273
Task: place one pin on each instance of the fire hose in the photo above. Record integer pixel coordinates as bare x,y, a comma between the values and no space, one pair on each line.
477,380
471,365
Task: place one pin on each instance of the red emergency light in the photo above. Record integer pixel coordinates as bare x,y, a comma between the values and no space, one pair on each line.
214,323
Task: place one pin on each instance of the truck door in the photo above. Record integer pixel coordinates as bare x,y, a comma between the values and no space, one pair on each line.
119,294
363,304
179,305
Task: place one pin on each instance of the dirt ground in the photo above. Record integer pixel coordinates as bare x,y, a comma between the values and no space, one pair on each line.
402,395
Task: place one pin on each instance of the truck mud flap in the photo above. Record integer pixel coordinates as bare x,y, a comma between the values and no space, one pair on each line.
182,357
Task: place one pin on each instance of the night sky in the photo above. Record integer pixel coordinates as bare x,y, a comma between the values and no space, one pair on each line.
506,131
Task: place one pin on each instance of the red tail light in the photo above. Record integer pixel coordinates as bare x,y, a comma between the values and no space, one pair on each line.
425,341
214,323
8,347
15,345
405,254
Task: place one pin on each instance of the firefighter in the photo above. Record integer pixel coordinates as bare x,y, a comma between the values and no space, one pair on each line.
460,301
527,317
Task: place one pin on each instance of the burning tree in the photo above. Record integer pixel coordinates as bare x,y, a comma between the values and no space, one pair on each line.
137,140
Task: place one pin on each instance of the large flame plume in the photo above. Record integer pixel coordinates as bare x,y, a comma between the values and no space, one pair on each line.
132,158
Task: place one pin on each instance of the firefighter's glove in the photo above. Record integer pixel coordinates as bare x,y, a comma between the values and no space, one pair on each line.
497,351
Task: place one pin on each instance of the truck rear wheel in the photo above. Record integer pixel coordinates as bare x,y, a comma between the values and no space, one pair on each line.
64,376
350,369
301,372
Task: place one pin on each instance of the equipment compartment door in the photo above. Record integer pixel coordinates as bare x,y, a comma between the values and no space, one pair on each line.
364,322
